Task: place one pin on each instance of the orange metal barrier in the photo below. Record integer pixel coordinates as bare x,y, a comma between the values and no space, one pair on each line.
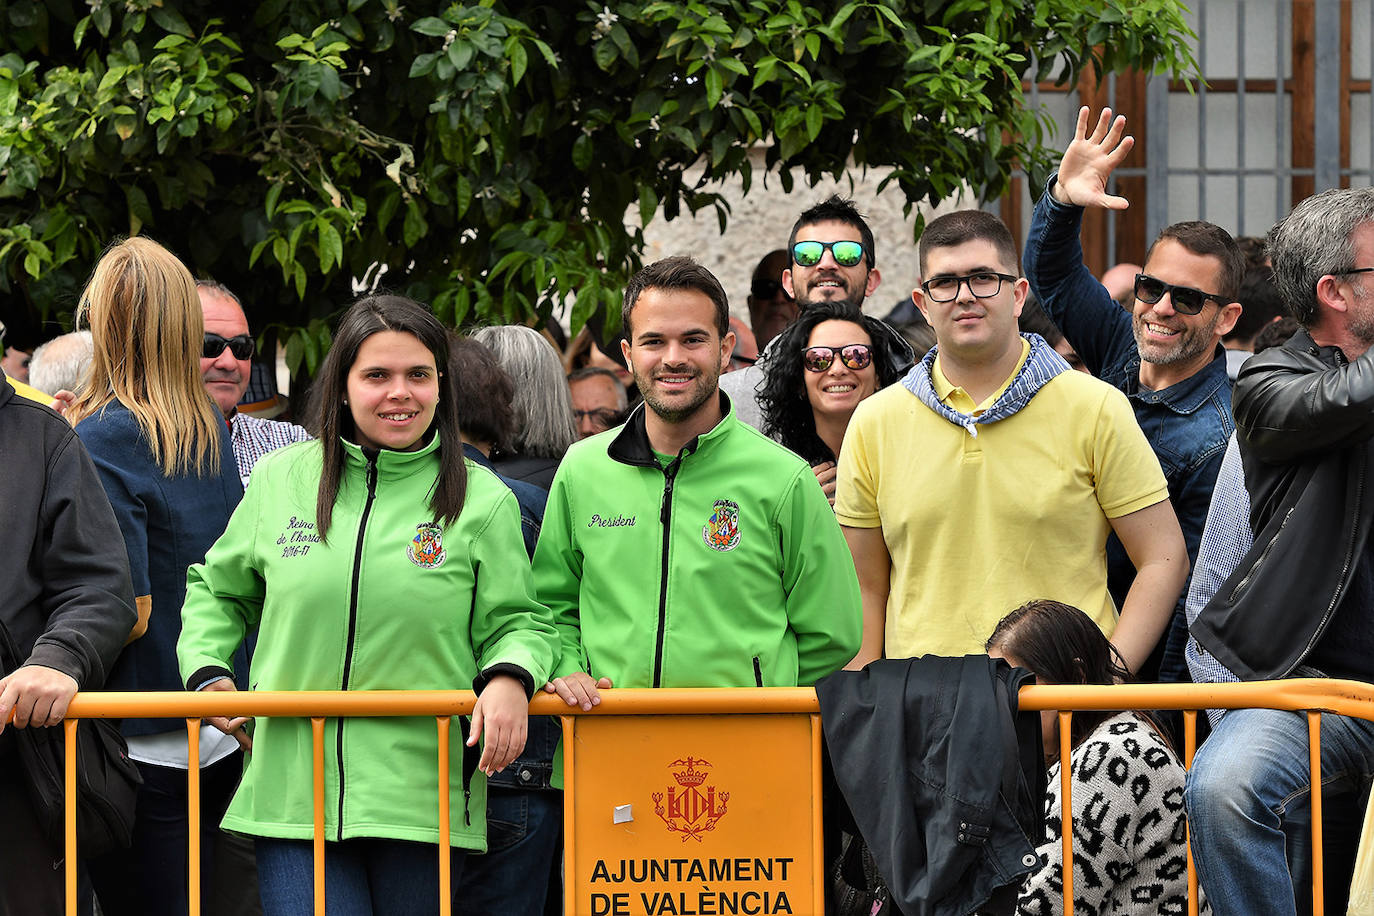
1347,698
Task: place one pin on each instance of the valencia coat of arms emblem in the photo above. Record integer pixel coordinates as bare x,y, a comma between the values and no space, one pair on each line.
693,806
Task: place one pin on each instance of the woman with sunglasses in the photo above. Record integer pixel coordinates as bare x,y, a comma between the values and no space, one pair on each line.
164,455
826,362
375,558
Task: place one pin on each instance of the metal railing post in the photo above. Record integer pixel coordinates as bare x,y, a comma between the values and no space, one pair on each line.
193,817
317,786
1314,750
70,860
1066,805
1190,749
445,863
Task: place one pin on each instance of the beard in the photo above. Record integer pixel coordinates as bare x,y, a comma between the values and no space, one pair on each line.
1192,341
682,404
1360,325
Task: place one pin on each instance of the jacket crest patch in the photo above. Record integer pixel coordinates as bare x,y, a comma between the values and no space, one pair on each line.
722,530
426,549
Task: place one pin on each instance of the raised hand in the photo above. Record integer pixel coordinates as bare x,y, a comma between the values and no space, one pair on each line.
1090,160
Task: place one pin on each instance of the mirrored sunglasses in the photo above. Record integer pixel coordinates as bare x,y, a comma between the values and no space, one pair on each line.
241,345
819,359
809,254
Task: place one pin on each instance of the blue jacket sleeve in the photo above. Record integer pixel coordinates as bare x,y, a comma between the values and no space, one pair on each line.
1094,323
87,598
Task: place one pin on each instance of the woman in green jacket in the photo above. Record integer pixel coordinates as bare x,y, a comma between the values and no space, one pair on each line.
376,558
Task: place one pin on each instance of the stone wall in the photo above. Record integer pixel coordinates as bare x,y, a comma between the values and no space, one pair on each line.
761,221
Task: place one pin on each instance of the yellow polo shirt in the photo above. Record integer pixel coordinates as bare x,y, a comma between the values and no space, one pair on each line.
978,525
30,392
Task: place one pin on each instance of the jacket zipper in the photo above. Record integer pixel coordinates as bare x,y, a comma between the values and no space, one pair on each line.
1340,590
353,624
665,518
1245,580
758,672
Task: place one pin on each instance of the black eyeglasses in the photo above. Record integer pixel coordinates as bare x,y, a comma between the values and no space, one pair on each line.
982,285
763,288
1185,299
809,254
605,417
819,359
241,345
1353,270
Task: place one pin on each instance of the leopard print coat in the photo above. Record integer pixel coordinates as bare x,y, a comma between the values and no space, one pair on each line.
1128,829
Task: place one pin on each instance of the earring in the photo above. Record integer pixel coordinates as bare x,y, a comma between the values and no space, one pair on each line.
345,402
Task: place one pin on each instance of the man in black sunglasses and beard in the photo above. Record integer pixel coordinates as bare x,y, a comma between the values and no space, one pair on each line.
1165,354
226,362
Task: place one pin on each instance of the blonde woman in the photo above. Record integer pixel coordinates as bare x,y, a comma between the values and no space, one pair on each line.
165,458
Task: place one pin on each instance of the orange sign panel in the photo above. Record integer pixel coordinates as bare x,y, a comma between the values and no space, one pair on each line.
693,815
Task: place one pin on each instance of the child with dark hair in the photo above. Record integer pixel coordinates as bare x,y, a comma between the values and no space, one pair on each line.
1127,785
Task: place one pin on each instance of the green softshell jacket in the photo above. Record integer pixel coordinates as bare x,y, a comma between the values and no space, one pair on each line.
723,567
392,601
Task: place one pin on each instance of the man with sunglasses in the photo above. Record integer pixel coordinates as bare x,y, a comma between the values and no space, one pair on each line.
993,474
771,307
226,363
1165,354
1300,603
829,257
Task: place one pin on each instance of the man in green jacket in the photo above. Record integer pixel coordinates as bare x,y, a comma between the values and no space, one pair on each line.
686,549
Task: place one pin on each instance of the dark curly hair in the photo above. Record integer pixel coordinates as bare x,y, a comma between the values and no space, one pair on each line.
787,414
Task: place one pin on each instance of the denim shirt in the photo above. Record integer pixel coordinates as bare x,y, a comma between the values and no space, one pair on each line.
530,498
1187,424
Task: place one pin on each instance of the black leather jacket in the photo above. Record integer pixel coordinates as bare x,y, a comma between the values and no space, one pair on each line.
1305,422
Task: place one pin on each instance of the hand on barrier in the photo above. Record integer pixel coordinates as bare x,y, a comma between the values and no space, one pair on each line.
578,689
1090,160
236,727
825,476
38,695
502,710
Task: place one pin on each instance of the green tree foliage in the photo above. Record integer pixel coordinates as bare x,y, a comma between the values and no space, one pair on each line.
486,155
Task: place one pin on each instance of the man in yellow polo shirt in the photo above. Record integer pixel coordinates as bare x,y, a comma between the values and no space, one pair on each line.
993,474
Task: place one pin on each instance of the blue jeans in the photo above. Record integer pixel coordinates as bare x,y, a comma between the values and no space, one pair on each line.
149,878
522,840
1249,808
362,877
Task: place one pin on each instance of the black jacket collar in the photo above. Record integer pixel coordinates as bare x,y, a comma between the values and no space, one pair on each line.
631,444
